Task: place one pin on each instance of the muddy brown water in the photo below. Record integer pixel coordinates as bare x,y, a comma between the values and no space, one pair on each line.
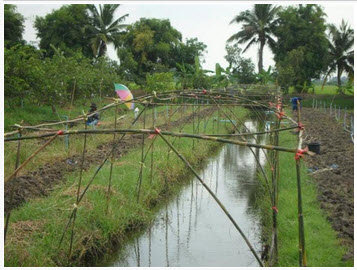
192,230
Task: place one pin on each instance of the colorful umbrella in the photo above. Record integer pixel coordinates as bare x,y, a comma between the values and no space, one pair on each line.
124,94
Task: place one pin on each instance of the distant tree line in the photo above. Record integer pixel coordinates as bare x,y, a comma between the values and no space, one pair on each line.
71,62
304,46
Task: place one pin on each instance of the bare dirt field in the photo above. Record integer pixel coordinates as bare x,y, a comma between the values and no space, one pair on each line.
332,170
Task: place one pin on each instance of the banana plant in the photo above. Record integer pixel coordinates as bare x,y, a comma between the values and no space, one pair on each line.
223,77
184,72
265,77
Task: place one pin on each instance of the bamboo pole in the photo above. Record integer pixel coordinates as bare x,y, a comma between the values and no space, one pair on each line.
78,188
80,118
193,125
275,187
251,133
145,98
13,187
181,135
215,198
111,162
152,150
142,161
33,155
302,251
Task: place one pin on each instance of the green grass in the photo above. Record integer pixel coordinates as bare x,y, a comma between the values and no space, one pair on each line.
322,246
342,101
44,218
327,90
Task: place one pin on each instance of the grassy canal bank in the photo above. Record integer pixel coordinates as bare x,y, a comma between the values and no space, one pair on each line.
36,227
322,246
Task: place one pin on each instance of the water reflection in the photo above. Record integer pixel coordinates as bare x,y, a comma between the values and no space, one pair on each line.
192,230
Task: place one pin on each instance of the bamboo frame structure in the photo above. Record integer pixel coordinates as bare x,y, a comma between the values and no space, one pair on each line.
222,102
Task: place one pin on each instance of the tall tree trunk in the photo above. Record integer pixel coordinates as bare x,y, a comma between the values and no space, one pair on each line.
260,61
339,73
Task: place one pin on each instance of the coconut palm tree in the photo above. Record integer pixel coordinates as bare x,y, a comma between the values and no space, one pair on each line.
341,51
258,27
104,28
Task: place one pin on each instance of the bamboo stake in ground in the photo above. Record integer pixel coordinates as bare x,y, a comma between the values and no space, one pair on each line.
142,161
78,190
33,155
193,124
13,187
152,150
111,162
275,168
302,251
215,198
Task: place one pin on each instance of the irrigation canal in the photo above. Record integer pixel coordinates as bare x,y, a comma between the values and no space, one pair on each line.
191,229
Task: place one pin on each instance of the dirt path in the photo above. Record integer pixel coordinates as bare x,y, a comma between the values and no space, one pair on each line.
43,180
335,183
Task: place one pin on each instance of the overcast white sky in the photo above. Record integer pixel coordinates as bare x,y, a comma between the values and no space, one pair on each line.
209,22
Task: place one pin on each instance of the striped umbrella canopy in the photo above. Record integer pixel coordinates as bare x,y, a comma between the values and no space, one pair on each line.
124,94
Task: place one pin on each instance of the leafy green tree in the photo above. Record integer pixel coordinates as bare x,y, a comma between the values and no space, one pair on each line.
153,45
147,47
23,72
258,28
242,68
341,51
65,28
290,70
186,52
160,82
56,80
104,27
302,46
13,25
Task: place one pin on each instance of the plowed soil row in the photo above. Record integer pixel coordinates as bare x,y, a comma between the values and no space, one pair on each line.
332,170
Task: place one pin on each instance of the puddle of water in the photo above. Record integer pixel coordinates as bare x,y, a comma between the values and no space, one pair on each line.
191,230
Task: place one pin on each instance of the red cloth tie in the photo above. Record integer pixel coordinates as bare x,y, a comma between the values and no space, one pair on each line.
280,115
300,126
300,153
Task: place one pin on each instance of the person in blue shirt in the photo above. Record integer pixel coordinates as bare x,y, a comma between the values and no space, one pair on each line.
94,119
294,101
